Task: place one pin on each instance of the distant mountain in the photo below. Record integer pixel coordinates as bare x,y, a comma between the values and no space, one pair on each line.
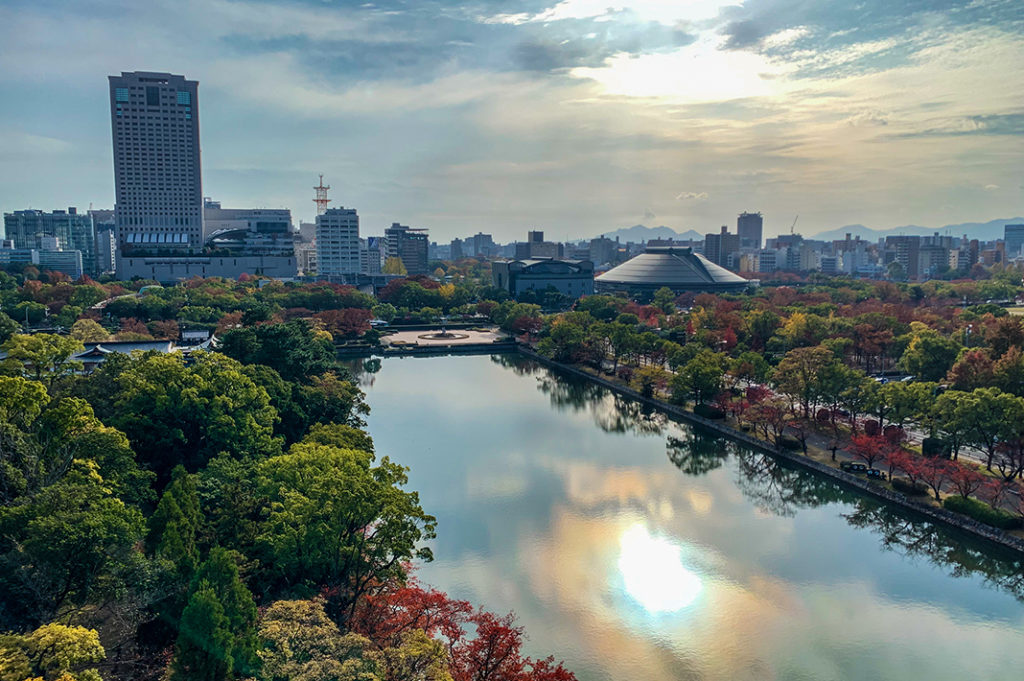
638,233
993,229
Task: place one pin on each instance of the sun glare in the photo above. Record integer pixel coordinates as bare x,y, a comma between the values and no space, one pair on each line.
653,572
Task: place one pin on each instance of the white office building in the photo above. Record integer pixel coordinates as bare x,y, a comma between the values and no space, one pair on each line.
337,242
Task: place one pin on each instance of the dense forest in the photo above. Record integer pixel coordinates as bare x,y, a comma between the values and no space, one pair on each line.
220,515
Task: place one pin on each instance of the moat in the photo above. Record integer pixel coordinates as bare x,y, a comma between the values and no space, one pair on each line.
635,547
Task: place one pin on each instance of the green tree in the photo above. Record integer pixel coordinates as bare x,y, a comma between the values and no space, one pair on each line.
649,379
293,350
700,378
665,300
220,573
984,413
89,331
176,523
67,546
334,519
42,356
8,327
301,643
203,648
177,413
798,375
929,356
53,652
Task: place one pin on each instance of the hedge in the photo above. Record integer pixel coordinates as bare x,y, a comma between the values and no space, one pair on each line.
982,512
909,488
708,411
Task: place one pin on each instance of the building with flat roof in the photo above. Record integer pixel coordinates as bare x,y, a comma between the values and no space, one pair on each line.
1013,239
750,226
572,278
408,244
718,248
337,242
72,230
157,179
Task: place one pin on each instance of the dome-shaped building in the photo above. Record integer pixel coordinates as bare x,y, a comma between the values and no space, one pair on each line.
680,269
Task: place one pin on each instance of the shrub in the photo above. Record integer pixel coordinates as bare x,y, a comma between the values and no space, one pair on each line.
789,442
933,446
911,489
871,428
708,411
982,512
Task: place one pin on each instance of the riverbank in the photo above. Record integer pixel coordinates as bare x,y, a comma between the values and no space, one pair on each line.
864,486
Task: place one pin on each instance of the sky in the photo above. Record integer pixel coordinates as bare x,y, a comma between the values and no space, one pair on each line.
576,117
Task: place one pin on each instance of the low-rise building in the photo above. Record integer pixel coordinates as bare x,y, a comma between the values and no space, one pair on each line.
572,278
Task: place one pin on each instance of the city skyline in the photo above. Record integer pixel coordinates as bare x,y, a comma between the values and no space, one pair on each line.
566,116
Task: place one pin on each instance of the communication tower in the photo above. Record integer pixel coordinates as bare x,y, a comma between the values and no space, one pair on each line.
321,199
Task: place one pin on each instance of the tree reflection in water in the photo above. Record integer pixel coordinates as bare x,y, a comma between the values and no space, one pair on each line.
772,485
611,412
698,451
962,555
362,371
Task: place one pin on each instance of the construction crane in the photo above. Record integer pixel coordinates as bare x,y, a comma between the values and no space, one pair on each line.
793,225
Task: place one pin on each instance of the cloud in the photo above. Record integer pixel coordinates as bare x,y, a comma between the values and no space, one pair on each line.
867,118
991,187
692,196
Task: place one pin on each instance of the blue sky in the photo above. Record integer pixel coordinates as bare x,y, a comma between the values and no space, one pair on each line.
576,117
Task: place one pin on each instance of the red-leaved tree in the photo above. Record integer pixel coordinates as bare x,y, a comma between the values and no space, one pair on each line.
481,646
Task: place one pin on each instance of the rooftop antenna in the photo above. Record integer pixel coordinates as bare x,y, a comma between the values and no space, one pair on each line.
321,199
793,225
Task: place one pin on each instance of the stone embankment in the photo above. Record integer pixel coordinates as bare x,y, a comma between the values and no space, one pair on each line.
862,485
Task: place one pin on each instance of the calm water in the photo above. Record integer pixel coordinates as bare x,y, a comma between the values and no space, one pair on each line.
636,548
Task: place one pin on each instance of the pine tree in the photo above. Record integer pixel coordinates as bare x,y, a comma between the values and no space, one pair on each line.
203,649
175,524
220,573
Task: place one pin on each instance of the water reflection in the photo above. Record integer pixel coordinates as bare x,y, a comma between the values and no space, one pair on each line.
653,573
717,564
770,484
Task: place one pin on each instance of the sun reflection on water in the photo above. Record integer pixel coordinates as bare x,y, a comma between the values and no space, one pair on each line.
653,572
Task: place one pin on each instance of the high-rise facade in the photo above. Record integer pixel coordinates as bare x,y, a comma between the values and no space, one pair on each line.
337,242
750,227
155,122
409,245
718,248
1013,240
72,230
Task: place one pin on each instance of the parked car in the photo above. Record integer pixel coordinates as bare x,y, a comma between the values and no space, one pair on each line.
876,473
853,467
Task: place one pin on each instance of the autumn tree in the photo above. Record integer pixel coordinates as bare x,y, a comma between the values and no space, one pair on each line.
89,331
797,375
52,652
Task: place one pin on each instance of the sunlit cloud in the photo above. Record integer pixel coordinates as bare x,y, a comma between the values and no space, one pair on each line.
692,196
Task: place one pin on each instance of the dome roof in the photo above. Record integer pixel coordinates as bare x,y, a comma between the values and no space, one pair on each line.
680,269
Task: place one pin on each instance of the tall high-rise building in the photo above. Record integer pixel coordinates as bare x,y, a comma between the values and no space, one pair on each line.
73,231
719,247
750,228
158,184
337,242
408,244
1013,240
